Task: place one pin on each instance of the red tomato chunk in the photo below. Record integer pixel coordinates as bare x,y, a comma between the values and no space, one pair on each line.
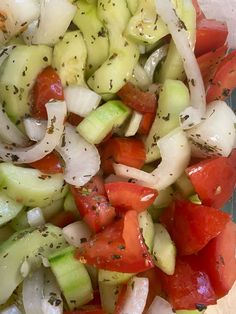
49,164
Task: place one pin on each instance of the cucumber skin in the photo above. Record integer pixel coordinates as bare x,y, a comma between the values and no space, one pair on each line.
30,244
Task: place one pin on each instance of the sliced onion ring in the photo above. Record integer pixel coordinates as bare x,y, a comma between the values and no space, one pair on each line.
192,115
35,129
173,145
56,111
82,160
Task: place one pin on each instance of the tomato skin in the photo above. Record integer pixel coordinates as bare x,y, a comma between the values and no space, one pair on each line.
219,261
130,196
209,62
189,288
63,219
146,123
213,180
120,247
93,204
127,151
224,80
211,34
49,164
137,99
74,119
199,13
47,86
195,225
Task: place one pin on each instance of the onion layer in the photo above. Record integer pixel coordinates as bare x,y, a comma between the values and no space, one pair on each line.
76,233
56,115
173,145
13,309
82,160
191,115
216,134
160,306
35,129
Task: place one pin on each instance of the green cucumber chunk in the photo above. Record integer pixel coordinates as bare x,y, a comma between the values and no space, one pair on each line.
195,199
72,277
113,277
94,33
173,99
133,5
164,250
27,245
146,226
184,186
70,206
5,233
109,296
8,208
20,222
18,74
95,127
30,187
69,58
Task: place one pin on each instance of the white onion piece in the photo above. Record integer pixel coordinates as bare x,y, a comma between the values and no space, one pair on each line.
35,129
216,134
160,306
56,115
13,309
81,100
133,124
114,178
18,15
153,61
33,292
136,296
76,233
52,302
173,145
82,160
55,17
191,115
222,11
35,217
9,133
140,77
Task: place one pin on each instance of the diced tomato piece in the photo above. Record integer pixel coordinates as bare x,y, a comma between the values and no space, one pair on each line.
219,261
199,13
224,80
49,164
211,34
47,86
120,247
127,151
130,196
195,225
146,123
209,62
189,288
74,119
213,180
137,99
121,299
93,204
63,219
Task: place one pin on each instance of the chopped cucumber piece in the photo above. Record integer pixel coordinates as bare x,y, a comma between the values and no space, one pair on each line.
30,187
109,296
18,75
94,33
164,250
132,5
20,222
70,206
95,127
72,278
8,208
52,209
28,245
184,186
195,199
5,233
93,273
173,99
147,228
113,277
69,58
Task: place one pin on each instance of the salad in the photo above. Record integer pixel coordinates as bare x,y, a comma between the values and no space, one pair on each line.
117,157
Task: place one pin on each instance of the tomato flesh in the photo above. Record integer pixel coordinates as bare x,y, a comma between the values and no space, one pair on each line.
199,13
213,180
137,99
127,151
195,225
49,164
130,196
189,288
63,219
120,247
47,87
219,261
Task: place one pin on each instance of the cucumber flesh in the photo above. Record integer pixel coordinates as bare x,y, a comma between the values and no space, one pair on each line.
109,296
113,277
8,208
30,187
72,278
26,245
20,222
164,250
70,206
147,228
5,233
184,186
100,122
